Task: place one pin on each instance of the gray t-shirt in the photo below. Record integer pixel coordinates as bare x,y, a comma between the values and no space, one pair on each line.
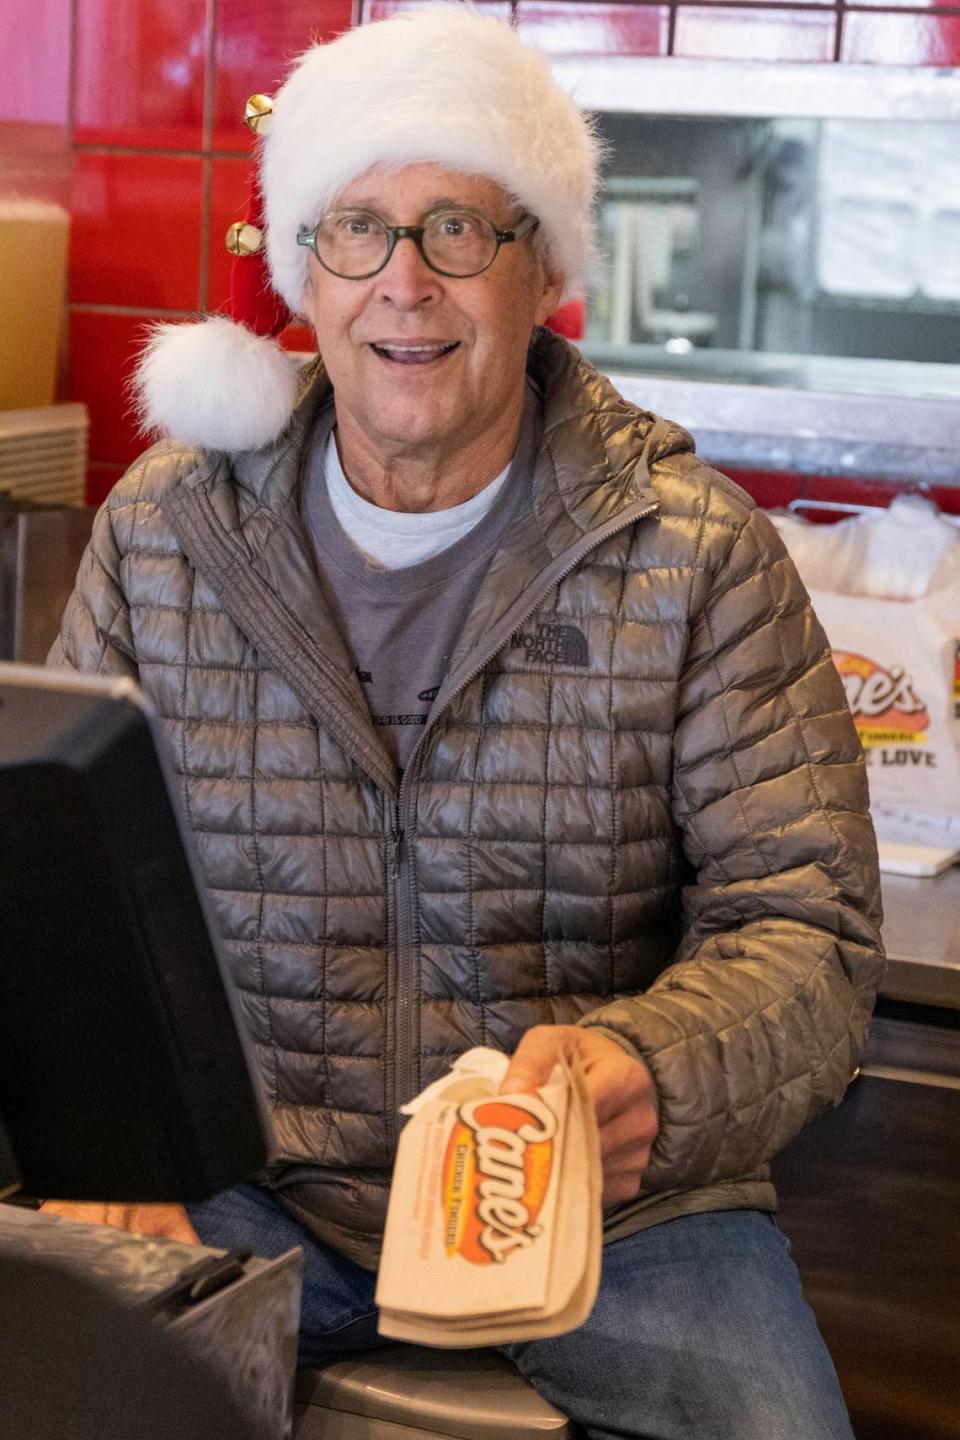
401,626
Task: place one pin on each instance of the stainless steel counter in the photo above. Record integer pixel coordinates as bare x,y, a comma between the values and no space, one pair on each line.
803,415
921,930
807,425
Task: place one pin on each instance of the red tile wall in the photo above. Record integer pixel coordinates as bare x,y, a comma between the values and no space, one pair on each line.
153,90
777,488
35,45
160,169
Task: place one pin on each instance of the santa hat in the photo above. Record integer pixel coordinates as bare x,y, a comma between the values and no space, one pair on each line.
445,85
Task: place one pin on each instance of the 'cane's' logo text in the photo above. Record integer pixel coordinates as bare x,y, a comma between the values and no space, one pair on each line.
885,706
495,1177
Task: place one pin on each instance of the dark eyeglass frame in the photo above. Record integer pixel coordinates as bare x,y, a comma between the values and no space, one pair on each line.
524,226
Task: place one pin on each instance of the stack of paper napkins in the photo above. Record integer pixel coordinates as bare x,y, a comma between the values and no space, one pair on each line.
494,1228
43,454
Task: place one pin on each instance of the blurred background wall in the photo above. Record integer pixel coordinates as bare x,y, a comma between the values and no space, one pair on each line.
133,110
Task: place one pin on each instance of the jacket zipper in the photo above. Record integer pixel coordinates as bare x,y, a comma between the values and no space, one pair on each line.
406,1026
396,841
268,624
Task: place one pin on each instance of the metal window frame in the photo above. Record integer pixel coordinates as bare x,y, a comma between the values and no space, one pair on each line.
644,85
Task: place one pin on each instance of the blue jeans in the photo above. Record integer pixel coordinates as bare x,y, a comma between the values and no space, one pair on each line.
700,1329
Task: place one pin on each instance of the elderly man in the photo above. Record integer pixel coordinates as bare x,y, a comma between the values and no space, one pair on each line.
501,719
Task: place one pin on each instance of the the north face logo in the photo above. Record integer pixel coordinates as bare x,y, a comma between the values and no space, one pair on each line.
552,644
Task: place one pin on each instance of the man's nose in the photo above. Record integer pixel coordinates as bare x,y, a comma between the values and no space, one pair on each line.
407,280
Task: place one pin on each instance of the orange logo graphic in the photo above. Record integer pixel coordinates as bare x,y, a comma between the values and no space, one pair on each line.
495,1177
886,708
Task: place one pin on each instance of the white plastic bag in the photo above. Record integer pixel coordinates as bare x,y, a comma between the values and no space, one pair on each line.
886,588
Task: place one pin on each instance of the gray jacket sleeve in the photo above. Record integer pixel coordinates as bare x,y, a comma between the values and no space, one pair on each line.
95,630
760,1023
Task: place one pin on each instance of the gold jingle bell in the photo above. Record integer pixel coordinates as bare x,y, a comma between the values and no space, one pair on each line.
257,113
243,238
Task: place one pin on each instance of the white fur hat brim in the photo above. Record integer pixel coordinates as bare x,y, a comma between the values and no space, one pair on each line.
214,384
446,85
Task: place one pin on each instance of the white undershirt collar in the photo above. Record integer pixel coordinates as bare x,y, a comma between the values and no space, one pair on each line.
394,539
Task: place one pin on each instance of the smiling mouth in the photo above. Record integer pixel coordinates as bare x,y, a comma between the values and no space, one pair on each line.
415,354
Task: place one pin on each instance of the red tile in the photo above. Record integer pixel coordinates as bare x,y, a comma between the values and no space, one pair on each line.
36,160
947,497
101,480
103,350
381,9
41,146
136,231
229,191
851,490
901,39
848,490
588,29
909,4
255,43
748,34
139,72
775,489
35,45
772,489
876,492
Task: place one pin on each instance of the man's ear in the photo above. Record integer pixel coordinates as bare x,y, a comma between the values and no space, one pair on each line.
553,286
306,299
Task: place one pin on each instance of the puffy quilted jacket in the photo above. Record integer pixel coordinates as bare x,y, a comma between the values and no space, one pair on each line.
639,803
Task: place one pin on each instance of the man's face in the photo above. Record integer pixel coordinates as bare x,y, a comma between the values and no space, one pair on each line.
429,403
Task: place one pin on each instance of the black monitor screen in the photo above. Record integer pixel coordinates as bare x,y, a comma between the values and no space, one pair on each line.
123,1074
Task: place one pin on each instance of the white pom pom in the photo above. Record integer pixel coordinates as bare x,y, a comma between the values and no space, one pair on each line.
214,384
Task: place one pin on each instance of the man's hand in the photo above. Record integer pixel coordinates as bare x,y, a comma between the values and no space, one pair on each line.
171,1222
620,1087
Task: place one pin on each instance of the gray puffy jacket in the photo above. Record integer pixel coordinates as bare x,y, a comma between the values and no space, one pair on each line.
639,804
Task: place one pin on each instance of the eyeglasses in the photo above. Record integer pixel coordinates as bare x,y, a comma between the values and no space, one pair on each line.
356,244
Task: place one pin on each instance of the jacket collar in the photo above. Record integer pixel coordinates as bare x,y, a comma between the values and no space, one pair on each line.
597,447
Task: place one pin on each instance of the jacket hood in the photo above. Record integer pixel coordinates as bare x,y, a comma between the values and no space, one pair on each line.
597,447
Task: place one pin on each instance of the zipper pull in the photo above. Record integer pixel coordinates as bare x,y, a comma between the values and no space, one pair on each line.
396,835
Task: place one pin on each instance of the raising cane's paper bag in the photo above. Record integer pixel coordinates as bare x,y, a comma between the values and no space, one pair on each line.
886,588
493,1228
900,666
